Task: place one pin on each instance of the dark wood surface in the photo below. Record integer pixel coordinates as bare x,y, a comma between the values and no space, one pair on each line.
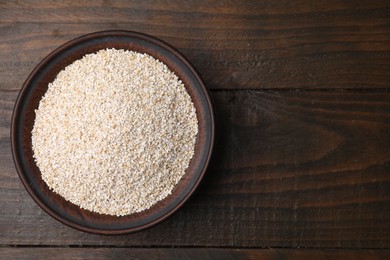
186,253
302,98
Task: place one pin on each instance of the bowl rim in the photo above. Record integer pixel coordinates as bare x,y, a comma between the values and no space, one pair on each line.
17,111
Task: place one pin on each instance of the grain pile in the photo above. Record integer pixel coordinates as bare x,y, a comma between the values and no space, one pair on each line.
115,132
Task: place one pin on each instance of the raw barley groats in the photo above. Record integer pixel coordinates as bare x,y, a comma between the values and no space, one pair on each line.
115,132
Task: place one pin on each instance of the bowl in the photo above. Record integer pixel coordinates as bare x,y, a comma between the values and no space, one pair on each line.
36,86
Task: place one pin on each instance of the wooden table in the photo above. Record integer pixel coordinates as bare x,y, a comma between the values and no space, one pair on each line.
301,166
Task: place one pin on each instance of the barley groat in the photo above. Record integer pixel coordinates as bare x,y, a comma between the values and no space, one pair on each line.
115,132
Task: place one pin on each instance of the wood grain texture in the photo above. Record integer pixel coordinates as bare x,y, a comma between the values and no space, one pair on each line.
302,97
290,169
186,253
234,44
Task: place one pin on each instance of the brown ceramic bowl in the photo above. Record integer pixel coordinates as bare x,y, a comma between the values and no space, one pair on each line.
35,87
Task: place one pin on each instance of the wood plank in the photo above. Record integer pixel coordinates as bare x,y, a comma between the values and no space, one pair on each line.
290,169
186,253
234,44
